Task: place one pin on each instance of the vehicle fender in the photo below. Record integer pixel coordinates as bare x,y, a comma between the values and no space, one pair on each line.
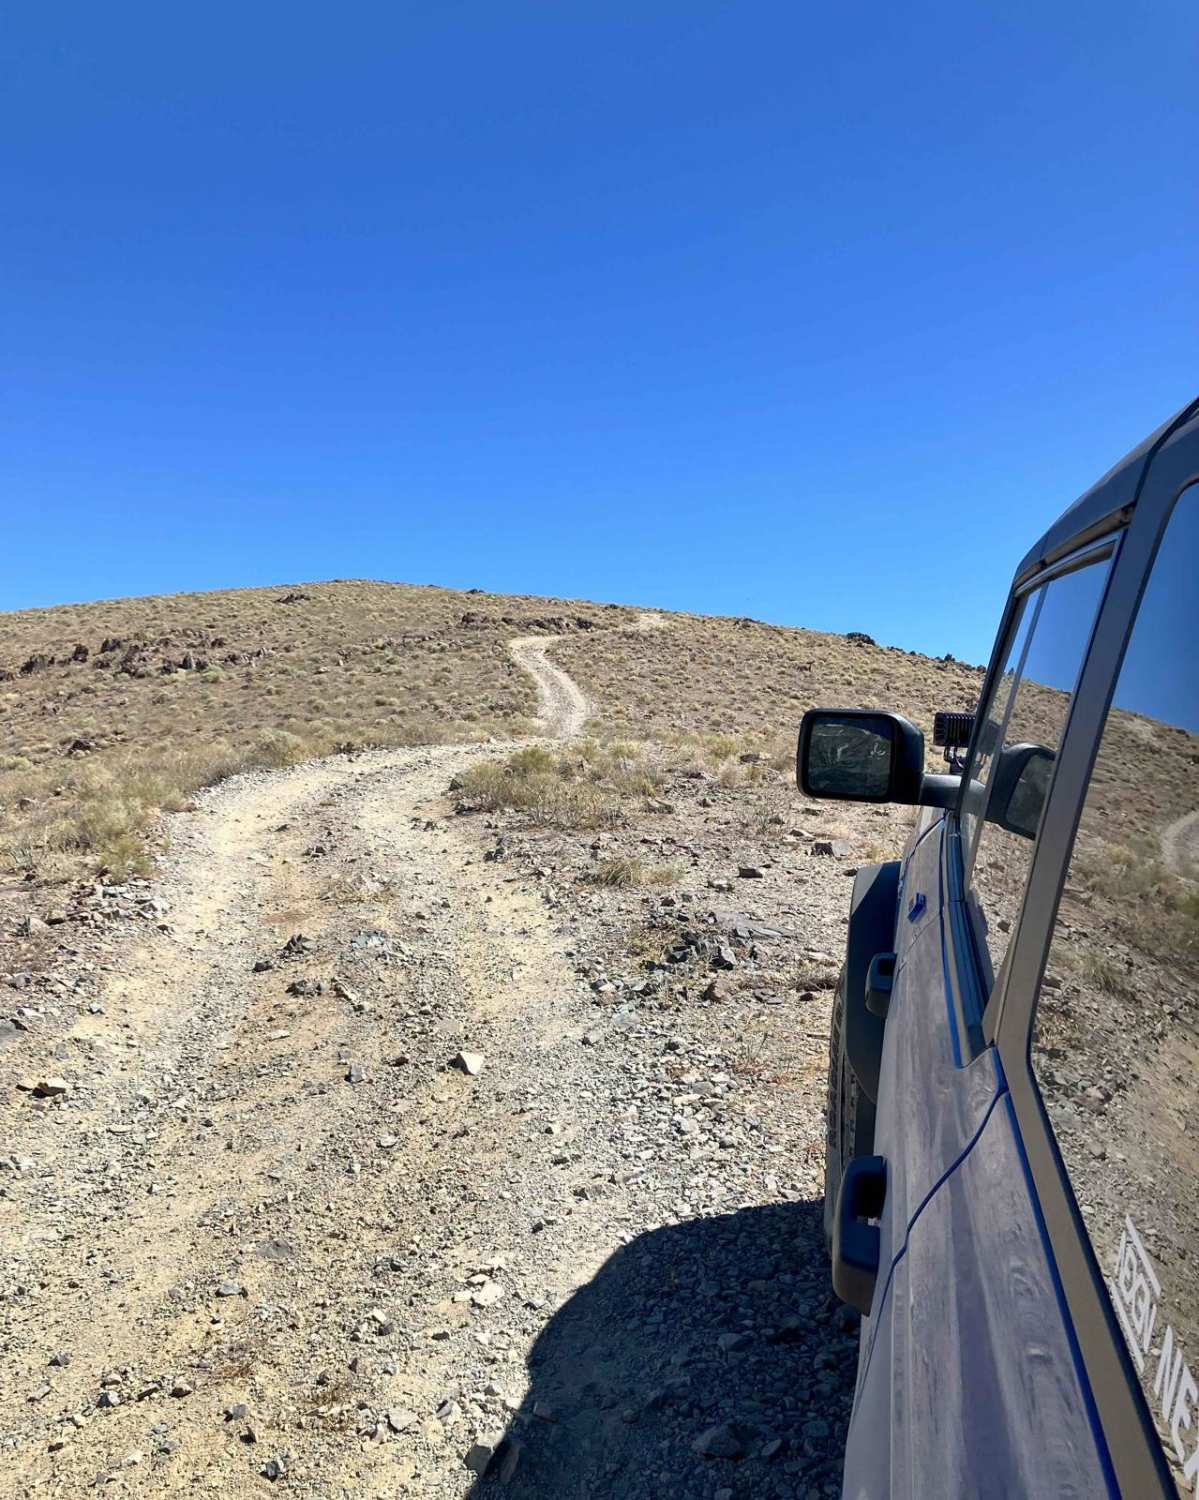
871,930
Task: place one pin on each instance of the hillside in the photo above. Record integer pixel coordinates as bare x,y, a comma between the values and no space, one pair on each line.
116,710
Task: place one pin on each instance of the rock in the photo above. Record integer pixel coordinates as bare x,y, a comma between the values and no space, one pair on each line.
261,965
50,1088
106,1400
830,848
470,1063
306,988
718,991
274,1468
181,1388
399,1418
720,885
237,1412
230,1288
487,1295
730,1343
355,1073
482,1451
724,957
750,872
378,1321
724,1441
60,1359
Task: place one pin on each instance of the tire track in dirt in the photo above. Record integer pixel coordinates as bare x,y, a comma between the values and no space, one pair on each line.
212,1139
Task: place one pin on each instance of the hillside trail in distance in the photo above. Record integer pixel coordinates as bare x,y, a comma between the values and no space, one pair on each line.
564,709
267,1185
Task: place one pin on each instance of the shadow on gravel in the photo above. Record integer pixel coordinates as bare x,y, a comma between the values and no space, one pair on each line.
707,1358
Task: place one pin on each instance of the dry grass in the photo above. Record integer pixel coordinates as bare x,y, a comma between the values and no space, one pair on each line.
715,683
587,786
626,870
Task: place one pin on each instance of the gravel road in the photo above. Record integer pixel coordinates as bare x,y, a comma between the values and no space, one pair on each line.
346,1178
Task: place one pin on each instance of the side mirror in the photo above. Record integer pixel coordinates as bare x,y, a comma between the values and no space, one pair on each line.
1019,784
859,755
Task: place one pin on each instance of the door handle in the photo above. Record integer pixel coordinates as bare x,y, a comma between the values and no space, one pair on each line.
856,1240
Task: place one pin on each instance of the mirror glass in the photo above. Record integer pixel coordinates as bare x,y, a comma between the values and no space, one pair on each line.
850,757
1023,812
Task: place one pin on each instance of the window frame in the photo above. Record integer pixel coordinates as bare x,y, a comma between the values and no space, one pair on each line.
1094,553
1126,1423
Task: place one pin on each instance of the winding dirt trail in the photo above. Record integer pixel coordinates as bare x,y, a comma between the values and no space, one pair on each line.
563,708
266,1193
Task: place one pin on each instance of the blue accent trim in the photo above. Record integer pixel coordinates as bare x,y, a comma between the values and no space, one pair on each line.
917,906
946,984
1063,1310
969,993
923,1204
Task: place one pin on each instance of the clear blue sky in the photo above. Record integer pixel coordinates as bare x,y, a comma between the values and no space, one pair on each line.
817,314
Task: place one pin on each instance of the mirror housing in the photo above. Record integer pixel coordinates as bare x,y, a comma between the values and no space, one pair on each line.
859,755
1019,786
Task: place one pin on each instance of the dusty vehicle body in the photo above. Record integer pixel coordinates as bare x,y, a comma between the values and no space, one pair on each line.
1012,1193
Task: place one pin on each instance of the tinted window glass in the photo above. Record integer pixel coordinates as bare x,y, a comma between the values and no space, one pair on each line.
990,733
1116,1037
1009,782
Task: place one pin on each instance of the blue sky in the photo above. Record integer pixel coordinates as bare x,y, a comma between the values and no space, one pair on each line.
818,315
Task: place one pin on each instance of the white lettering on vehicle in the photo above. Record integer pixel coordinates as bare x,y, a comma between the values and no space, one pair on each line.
1135,1292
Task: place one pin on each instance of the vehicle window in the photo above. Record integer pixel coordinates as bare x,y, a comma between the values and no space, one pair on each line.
1115,1045
992,719
1010,779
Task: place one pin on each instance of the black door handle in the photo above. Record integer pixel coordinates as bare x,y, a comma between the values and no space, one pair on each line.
856,1241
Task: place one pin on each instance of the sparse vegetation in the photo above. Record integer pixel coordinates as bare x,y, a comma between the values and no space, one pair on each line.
625,870
587,786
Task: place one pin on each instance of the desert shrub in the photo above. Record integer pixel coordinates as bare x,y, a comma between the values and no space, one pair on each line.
625,870
534,782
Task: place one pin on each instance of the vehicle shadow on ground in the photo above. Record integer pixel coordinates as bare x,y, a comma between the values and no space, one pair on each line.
718,1334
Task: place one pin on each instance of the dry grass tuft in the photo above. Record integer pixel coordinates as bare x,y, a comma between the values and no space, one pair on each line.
626,870
586,786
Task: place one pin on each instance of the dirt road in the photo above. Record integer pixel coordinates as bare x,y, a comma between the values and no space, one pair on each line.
271,1234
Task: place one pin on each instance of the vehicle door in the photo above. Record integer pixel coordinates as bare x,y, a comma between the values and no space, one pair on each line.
1098,1025
936,1329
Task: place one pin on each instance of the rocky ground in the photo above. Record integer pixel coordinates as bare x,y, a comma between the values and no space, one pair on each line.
372,1150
